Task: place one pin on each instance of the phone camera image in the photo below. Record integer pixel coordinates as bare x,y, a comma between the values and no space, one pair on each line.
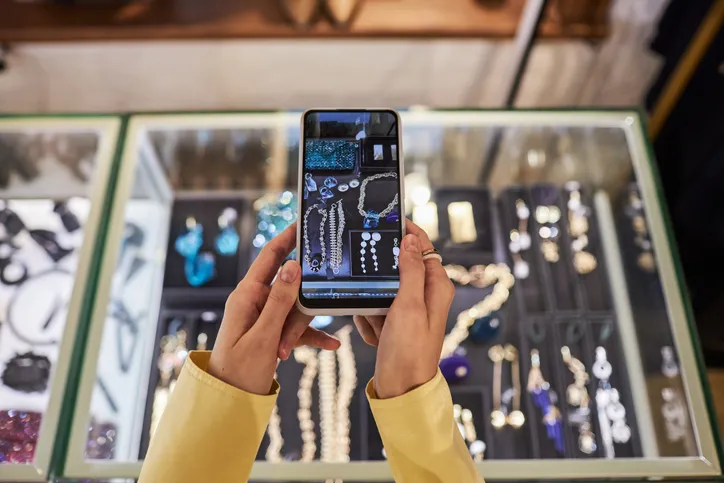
351,217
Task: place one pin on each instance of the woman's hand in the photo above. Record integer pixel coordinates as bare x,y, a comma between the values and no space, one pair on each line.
409,339
261,321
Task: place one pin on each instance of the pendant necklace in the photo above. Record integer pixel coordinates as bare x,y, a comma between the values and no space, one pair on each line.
372,218
315,261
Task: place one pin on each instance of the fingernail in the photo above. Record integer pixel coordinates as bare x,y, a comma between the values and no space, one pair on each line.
412,243
284,353
290,270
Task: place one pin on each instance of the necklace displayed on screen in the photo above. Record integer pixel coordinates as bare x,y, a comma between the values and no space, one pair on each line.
315,261
336,230
371,217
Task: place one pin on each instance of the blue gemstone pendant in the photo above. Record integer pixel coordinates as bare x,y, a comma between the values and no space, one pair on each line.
455,368
393,217
485,329
326,193
330,182
372,220
200,269
309,182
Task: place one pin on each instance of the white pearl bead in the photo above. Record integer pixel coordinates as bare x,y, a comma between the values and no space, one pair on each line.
514,246
524,241
521,269
523,212
477,447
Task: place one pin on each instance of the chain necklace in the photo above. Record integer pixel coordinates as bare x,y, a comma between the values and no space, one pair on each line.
315,262
336,229
502,278
372,218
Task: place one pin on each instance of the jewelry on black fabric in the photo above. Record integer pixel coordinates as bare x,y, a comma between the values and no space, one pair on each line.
396,253
372,217
315,261
611,412
541,393
547,217
520,241
577,397
227,242
67,217
27,372
583,261
336,241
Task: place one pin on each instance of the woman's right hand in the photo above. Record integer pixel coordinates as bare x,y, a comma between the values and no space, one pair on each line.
409,338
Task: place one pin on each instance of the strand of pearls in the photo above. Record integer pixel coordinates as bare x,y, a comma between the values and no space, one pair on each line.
308,357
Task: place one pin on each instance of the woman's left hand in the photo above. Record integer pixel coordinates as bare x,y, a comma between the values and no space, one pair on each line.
262,322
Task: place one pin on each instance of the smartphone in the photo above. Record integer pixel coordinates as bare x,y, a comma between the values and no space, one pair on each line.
351,215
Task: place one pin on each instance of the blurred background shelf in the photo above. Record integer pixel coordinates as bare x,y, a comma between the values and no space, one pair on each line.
216,19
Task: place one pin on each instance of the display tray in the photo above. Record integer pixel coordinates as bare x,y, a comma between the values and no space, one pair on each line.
558,304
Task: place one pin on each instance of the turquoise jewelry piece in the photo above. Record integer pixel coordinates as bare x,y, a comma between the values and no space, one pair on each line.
200,269
309,182
188,244
372,217
330,155
274,213
227,242
331,182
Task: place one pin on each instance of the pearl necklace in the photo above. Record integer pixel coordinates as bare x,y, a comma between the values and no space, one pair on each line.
334,400
315,264
327,383
308,357
345,391
361,205
274,431
504,280
335,236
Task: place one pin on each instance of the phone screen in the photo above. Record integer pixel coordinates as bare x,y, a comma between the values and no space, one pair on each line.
351,221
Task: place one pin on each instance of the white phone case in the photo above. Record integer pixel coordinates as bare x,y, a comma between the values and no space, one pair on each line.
300,187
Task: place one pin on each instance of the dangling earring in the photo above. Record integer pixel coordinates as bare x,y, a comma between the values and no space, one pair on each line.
227,242
188,244
200,269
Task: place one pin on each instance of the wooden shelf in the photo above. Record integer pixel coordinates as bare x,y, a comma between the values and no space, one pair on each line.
220,19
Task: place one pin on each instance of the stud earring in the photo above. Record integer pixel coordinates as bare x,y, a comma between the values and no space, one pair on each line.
188,244
227,242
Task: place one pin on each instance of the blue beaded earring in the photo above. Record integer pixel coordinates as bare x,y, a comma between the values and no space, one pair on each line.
188,244
227,242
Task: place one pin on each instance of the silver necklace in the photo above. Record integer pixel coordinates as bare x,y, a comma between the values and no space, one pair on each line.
372,218
315,262
336,230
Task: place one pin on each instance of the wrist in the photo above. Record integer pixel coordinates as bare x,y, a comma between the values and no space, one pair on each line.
256,384
391,387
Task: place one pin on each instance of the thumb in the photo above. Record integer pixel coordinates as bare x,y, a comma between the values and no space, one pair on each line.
412,274
280,302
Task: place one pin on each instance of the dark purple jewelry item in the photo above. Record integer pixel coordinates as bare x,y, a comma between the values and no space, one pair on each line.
18,436
543,397
485,328
455,367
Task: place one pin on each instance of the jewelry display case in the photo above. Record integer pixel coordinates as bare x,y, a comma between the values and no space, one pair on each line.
569,345
54,178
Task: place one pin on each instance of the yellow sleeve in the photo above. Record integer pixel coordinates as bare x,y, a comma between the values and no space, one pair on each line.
420,436
210,431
